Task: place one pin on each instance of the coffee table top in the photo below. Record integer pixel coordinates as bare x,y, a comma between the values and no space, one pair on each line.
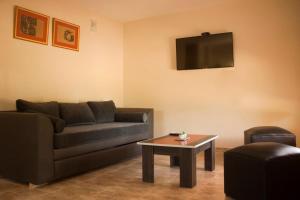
194,141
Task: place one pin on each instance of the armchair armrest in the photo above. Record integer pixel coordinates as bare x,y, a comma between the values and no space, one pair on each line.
26,147
148,111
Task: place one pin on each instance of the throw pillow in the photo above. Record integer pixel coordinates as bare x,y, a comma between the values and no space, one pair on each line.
57,123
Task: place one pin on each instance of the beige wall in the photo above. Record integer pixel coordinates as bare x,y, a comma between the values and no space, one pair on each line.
40,73
262,88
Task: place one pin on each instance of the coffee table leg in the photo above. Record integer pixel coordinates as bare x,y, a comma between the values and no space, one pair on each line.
174,161
148,164
187,167
209,157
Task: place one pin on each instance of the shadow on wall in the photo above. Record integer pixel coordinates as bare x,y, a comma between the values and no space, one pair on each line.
296,129
172,49
272,116
7,105
158,123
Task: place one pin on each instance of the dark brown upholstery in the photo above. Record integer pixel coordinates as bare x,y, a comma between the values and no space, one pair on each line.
93,160
28,154
131,117
262,171
50,108
26,147
111,134
104,111
76,114
269,134
58,123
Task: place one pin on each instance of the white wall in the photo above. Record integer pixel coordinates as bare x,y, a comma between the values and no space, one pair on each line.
40,73
262,88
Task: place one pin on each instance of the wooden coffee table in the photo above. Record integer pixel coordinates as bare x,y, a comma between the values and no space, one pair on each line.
182,153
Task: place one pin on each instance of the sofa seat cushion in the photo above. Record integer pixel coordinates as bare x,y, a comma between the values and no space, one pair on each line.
105,134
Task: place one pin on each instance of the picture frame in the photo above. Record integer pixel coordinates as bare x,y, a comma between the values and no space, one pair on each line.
31,26
65,35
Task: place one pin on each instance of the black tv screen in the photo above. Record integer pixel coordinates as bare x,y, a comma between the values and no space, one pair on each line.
205,51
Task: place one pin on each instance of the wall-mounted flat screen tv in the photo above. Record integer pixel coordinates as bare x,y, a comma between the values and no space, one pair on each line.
205,51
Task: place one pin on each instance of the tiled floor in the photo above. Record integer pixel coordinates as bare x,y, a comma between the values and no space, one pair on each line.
123,181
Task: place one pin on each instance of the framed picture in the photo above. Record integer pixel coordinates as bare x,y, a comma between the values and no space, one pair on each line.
31,26
65,35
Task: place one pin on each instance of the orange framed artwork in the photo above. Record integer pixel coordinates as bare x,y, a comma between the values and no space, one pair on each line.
31,26
65,35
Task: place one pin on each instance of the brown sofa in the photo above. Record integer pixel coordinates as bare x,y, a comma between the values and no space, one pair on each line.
38,145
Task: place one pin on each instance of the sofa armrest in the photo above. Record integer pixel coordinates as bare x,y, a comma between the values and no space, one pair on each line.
148,111
26,147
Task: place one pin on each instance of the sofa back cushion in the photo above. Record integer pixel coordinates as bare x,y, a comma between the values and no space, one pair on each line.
76,114
104,111
49,108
